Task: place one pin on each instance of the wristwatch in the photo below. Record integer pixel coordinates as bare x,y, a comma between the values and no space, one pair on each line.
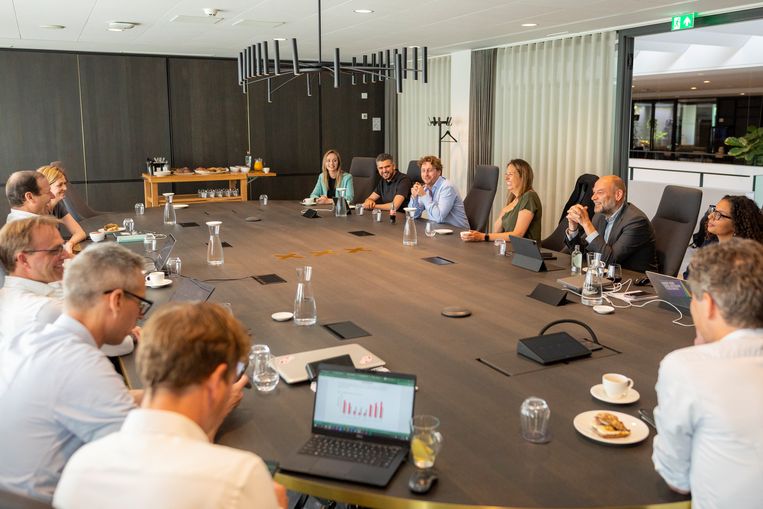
487,237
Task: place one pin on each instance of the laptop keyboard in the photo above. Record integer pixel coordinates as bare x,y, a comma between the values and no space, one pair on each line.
376,455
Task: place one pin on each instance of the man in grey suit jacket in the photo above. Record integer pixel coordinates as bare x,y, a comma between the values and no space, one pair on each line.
618,229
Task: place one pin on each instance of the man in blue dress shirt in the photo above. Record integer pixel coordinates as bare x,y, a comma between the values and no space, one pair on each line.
437,196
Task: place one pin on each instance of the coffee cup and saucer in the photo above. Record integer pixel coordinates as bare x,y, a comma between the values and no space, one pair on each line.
157,280
616,389
308,202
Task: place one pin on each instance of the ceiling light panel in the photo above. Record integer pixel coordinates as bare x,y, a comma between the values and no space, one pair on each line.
197,20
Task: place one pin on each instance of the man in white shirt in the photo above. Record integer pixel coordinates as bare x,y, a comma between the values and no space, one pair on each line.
163,457
32,254
28,194
437,196
58,390
710,396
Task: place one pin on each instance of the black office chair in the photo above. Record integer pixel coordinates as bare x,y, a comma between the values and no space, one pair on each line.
479,199
414,172
674,224
364,177
581,194
77,206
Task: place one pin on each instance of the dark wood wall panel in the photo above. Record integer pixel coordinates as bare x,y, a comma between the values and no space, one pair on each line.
125,114
39,112
207,113
343,127
112,197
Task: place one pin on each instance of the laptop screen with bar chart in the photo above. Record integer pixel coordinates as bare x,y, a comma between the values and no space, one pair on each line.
372,404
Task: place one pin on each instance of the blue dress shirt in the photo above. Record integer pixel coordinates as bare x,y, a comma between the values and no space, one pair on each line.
442,203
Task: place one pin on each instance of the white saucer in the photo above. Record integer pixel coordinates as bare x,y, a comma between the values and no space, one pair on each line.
164,283
598,392
308,204
443,231
120,229
639,430
282,316
604,310
180,205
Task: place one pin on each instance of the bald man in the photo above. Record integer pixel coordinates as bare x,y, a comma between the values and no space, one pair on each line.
618,230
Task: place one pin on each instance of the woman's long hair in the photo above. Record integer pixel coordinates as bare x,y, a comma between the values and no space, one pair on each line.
525,173
325,172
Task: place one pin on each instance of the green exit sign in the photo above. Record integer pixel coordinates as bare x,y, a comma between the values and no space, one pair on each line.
682,22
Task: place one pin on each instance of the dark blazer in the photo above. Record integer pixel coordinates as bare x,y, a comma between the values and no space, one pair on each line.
631,241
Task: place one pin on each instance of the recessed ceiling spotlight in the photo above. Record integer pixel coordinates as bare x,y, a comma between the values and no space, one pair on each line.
120,26
53,27
706,81
279,38
694,88
529,24
363,11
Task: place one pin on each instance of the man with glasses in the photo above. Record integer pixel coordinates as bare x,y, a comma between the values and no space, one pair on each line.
28,194
32,254
619,230
709,436
58,390
189,357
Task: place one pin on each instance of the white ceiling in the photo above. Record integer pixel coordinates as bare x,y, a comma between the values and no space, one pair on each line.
677,64
442,25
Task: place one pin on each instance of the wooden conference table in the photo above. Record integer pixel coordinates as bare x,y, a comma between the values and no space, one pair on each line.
389,291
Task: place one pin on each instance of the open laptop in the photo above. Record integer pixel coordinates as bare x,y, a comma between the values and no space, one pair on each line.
361,426
671,289
526,254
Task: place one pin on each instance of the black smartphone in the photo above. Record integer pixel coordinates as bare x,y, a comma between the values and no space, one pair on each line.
341,360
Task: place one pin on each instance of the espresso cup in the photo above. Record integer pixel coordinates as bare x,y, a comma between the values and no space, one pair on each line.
615,385
155,278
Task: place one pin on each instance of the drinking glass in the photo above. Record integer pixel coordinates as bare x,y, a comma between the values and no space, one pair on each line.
359,209
500,247
264,375
615,272
140,209
426,441
129,225
593,260
263,199
174,265
534,415
377,215
429,230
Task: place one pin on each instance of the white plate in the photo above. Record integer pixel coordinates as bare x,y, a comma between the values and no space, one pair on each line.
180,205
283,316
639,430
598,392
120,229
443,231
164,283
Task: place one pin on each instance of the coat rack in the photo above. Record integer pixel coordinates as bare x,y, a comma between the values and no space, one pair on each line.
443,138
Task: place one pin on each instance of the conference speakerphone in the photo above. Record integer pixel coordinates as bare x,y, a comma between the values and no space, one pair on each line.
552,348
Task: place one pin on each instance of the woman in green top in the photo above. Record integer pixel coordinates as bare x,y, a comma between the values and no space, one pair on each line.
332,177
522,214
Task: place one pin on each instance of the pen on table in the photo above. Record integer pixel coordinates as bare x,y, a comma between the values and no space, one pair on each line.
647,418
491,365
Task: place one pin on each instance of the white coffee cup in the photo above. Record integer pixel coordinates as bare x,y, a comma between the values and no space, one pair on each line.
97,236
615,385
308,201
155,278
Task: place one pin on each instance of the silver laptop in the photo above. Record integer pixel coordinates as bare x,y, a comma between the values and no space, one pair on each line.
361,426
671,289
292,367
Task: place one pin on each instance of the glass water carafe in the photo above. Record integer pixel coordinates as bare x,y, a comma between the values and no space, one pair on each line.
409,231
305,312
341,203
215,245
169,209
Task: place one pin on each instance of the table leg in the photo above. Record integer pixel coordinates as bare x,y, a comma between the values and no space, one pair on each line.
243,192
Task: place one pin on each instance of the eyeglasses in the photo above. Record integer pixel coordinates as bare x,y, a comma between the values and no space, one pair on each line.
143,304
715,214
55,251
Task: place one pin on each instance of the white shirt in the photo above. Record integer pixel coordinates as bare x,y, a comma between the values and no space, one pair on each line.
710,421
57,392
163,460
27,305
16,214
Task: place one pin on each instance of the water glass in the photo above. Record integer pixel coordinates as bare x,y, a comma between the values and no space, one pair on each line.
500,247
534,415
429,230
140,209
174,265
615,272
359,209
593,260
129,225
149,242
426,441
377,215
264,375
263,199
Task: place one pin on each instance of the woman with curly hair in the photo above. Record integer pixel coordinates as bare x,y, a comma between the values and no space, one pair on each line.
734,216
